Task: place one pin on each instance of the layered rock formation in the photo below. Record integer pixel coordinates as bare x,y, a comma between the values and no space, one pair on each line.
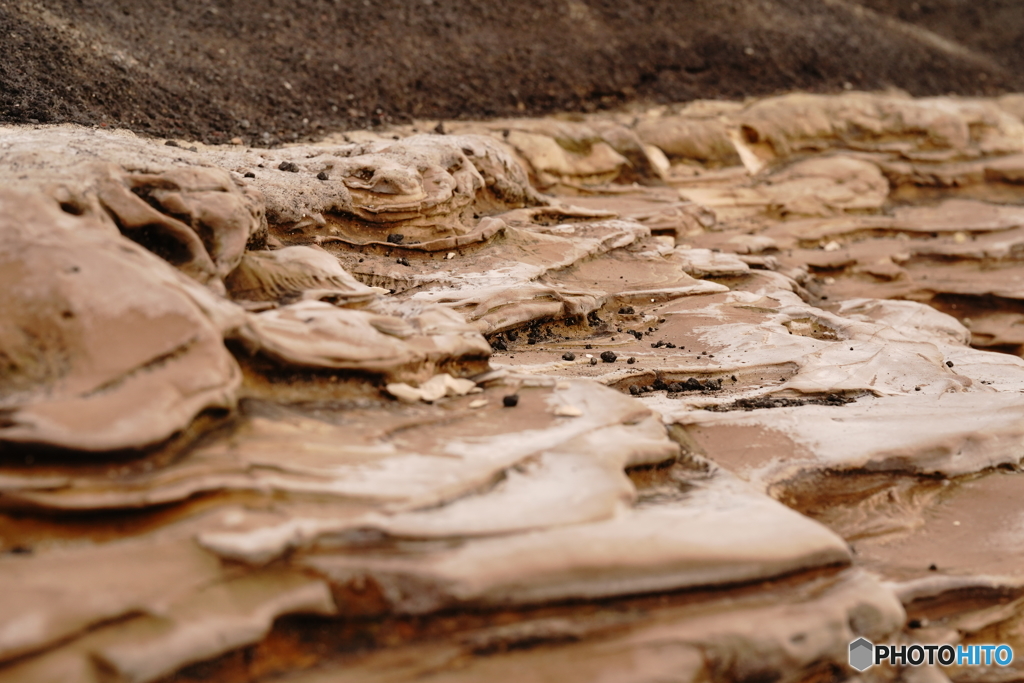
721,401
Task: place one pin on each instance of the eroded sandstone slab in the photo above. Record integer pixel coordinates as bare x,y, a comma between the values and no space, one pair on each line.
720,402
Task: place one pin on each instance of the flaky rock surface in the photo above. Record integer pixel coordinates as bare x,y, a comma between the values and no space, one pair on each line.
743,386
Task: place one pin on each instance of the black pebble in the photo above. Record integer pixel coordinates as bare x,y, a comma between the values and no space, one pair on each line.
568,355
631,360
193,149
396,238
499,345
734,378
626,310
933,568
322,175
288,166
172,143
589,346
402,262
593,361
949,363
250,174
675,386
693,384
510,401
609,357
20,550
439,129
914,623
634,390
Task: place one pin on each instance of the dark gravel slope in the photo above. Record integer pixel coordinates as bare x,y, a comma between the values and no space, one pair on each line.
271,70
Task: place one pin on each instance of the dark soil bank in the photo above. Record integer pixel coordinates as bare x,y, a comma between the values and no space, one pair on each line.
273,70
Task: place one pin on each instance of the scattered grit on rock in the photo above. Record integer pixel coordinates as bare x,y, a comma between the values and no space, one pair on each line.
703,392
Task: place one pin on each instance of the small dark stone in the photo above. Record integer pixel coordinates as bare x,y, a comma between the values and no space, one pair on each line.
172,143
650,329
917,388
933,568
402,262
499,345
634,390
510,401
692,384
670,345
512,335
703,353
288,166
949,363
675,386
609,357
661,320
396,238
250,174
914,623
193,149
593,361
626,310
589,346
322,175
439,128
20,550
568,355
631,360
734,378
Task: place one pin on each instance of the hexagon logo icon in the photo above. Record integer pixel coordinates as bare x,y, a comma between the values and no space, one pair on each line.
862,654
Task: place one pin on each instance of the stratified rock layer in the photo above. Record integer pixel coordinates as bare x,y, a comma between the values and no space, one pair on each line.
379,408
